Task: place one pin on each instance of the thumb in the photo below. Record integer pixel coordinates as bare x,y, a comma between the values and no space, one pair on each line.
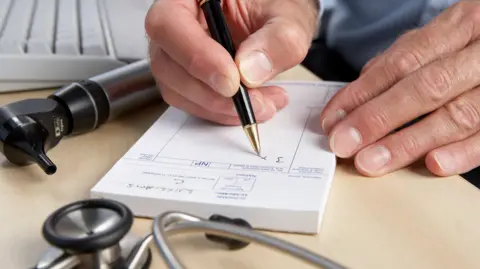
278,46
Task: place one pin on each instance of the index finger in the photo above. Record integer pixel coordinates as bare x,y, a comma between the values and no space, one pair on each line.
451,31
422,92
173,26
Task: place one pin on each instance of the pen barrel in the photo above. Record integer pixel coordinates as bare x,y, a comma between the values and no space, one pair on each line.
242,103
219,31
97,100
217,25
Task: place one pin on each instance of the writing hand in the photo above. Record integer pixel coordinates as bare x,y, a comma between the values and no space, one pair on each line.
434,69
197,75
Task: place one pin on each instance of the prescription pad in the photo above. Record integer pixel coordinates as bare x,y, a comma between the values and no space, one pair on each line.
188,164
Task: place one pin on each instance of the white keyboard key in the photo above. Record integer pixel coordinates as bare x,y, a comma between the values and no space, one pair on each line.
93,42
68,40
53,42
12,46
126,21
15,33
43,28
4,9
149,2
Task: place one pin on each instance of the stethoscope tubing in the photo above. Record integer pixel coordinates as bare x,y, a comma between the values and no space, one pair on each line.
171,223
230,232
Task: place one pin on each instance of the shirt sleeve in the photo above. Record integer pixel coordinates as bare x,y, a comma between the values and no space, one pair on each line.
321,5
361,29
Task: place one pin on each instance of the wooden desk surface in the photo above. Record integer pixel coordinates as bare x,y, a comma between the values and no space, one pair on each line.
408,219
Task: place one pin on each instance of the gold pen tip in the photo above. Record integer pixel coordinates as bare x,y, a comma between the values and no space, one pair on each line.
252,134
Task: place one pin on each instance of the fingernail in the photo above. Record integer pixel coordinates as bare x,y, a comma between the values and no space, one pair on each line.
332,119
445,161
280,100
345,141
258,106
271,104
373,159
222,84
256,67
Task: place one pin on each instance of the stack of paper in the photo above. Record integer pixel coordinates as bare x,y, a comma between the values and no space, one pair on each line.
186,164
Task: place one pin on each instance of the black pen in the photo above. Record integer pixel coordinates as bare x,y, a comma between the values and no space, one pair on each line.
217,26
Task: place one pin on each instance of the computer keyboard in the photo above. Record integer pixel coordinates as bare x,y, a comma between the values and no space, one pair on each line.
48,43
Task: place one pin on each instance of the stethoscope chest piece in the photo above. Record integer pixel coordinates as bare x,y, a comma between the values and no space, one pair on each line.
95,234
90,234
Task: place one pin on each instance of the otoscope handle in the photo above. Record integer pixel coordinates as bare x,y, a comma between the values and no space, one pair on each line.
97,100
31,127
128,88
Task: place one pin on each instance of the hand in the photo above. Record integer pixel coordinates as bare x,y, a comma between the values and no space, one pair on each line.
196,74
433,70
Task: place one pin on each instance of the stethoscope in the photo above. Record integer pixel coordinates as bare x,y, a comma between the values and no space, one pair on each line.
94,233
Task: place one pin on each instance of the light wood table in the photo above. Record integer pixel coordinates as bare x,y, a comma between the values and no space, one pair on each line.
408,219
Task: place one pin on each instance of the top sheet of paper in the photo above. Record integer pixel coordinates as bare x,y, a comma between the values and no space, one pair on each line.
187,164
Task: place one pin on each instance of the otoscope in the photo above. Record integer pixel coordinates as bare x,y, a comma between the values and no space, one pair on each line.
30,128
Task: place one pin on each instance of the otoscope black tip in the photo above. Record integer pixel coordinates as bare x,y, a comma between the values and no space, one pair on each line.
46,164
25,141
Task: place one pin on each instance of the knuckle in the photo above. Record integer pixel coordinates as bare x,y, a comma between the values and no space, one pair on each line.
358,96
402,62
475,14
154,22
464,115
456,12
374,120
461,8
433,84
472,10
473,20
293,38
467,13
409,147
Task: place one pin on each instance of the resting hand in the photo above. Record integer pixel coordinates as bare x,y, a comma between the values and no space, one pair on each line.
197,75
434,69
